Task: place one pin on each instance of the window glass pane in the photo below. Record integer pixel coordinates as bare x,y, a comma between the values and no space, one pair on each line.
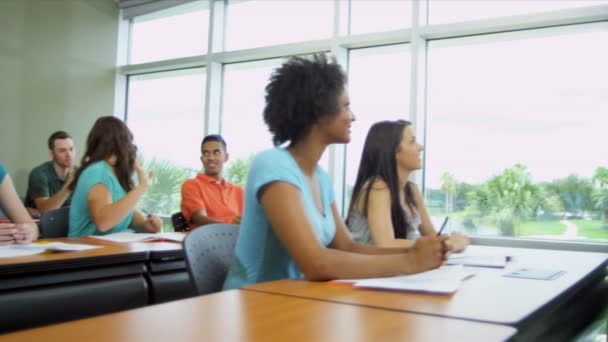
442,11
516,133
179,31
260,23
379,89
376,16
243,124
165,114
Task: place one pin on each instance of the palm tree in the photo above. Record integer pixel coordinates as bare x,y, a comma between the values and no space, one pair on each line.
164,194
574,193
507,198
448,187
600,194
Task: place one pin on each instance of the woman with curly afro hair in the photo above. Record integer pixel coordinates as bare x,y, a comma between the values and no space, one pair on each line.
291,227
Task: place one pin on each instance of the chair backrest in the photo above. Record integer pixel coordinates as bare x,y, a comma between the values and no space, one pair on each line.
179,222
55,223
209,251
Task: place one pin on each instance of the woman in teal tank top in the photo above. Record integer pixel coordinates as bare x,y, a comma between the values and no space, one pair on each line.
105,196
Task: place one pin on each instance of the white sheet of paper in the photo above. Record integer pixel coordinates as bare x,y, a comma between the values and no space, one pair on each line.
477,260
12,251
67,247
139,237
445,279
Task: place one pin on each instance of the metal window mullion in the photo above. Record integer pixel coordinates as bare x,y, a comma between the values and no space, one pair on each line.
417,110
337,152
214,69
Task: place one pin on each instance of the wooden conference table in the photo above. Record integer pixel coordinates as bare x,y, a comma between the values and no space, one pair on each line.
240,315
555,309
55,287
48,288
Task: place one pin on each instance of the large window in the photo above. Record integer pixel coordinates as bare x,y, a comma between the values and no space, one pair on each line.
180,31
261,23
444,11
380,15
515,135
165,114
511,111
243,125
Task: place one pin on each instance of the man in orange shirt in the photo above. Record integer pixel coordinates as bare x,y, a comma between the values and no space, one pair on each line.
209,198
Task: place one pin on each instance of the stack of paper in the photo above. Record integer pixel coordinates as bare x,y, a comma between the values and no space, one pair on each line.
480,260
141,237
12,251
445,279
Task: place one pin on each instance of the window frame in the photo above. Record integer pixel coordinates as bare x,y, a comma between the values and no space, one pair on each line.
339,44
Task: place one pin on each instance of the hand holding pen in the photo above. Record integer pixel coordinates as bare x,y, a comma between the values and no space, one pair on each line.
457,241
153,223
447,246
443,225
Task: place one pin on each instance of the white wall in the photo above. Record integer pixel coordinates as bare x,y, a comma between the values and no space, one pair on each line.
57,60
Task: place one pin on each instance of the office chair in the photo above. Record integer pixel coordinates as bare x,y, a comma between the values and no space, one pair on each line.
179,222
209,251
55,223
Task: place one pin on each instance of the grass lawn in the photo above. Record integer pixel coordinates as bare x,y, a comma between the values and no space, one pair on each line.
530,228
591,230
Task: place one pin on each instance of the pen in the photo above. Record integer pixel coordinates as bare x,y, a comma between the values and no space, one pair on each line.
443,225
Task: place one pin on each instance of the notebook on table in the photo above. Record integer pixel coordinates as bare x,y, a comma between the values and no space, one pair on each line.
443,280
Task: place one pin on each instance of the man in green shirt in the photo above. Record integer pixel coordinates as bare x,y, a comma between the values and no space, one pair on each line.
48,183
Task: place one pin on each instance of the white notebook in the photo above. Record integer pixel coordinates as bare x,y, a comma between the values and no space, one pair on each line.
140,237
444,280
480,260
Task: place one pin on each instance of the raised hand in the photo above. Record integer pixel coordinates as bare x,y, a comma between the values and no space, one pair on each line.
144,178
69,175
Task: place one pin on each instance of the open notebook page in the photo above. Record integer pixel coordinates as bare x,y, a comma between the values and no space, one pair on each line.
445,279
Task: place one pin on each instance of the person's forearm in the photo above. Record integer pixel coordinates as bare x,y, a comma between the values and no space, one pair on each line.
138,222
11,204
53,202
374,249
112,214
337,264
199,219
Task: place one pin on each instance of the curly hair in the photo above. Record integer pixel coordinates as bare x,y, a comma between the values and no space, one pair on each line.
299,93
378,162
110,137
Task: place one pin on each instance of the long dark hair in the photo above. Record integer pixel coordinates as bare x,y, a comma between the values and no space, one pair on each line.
110,137
378,162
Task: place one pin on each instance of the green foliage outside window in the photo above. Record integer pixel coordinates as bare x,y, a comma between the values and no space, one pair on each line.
516,206
164,195
238,170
